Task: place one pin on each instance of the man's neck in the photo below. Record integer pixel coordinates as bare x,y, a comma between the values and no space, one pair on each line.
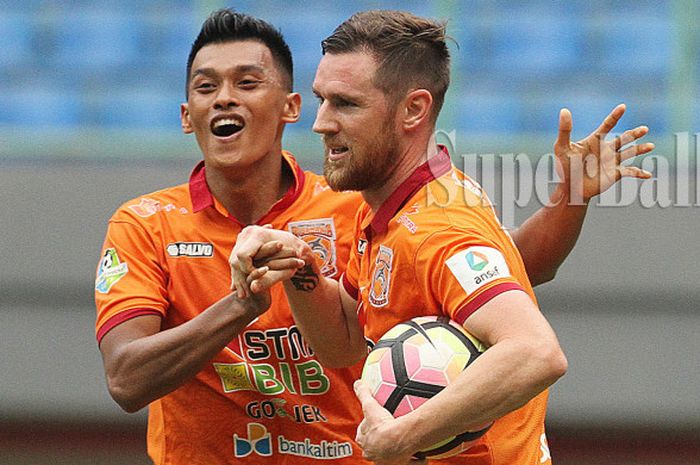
414,156
250,193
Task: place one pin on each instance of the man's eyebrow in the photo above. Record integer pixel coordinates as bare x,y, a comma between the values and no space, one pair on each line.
239,69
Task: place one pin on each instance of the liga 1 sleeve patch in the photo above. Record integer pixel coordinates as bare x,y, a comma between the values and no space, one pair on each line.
477,266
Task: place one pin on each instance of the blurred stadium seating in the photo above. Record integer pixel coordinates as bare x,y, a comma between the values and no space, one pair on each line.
120,64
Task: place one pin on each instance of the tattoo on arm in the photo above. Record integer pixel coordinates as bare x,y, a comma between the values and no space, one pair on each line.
305,279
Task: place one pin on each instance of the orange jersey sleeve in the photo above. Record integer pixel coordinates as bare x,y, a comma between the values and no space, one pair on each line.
130,280
462,270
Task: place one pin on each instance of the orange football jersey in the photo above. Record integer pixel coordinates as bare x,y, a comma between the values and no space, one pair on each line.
435,247
264,399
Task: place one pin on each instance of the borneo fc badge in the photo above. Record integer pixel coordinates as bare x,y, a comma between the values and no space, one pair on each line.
320,235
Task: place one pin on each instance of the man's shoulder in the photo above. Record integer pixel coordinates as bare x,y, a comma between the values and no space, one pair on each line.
144,207
319,191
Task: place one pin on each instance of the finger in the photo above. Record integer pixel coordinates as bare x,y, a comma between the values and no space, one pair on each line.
629,136
257,274
269,279
634,172
268,249
565,126
636,150
239,285
611,120
285,264
283,252
370,407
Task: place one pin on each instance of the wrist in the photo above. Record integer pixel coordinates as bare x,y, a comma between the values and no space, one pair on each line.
563,196
404,435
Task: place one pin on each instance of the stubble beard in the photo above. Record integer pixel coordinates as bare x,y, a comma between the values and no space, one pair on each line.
363,169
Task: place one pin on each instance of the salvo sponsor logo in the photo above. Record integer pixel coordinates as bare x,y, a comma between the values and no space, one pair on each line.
477,266
190,249
323,450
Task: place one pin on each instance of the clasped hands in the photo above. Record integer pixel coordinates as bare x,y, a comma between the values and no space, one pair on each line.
263,256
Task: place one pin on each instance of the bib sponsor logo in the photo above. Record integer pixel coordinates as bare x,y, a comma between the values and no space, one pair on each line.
320,235
258,440
323,450
190,249
276,360
381,277
477,266
110,270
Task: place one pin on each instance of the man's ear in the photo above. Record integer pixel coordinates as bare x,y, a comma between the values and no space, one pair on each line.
417,108
292,108
185,119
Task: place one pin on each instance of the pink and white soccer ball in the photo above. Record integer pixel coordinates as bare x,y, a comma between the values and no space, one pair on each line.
414,361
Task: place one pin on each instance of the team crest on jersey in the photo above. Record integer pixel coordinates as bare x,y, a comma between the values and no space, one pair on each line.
110,271
320,235
381,277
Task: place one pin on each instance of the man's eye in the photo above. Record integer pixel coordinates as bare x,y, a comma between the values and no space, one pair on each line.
248,83
344,103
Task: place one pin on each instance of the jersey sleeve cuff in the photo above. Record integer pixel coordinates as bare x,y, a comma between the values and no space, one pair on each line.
121,317
349,288
473,305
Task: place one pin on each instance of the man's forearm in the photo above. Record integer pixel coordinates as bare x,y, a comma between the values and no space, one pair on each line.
333,333
143,369
501,380
548,236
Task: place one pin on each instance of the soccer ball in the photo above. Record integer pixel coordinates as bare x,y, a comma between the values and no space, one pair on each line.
414,361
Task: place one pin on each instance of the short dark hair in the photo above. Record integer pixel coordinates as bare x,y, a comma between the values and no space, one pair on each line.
226,25
411,52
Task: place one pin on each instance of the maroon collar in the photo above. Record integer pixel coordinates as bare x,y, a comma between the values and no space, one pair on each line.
428,171
202,197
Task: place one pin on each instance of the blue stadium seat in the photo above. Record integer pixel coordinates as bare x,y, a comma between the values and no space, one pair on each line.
534,45
635,46
487,112
16,33
143,108
39,107
96,41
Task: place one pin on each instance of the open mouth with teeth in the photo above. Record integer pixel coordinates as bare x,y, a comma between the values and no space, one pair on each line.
226,127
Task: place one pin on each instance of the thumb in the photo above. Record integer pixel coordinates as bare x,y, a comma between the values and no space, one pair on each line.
565,126
370,407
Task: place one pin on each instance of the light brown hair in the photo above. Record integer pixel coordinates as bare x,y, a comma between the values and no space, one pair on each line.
411,52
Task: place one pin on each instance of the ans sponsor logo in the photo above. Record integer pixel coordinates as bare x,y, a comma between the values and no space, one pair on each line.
110,270
323,450
477,261
190,249
381,277
258,440
320,235
477,266
269,409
